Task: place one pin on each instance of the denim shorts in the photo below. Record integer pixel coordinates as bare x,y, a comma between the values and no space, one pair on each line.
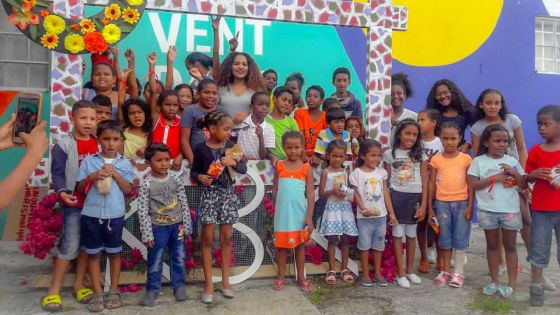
455,230
496,220
542,224
69,246
102,234
401,230
371,233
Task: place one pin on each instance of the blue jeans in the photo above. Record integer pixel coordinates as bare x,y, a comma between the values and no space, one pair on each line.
69,246
542,224
455,230
172,237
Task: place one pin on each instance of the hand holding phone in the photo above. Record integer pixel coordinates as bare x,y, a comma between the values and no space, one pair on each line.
28,112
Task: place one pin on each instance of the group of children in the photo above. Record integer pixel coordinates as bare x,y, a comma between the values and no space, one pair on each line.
427,172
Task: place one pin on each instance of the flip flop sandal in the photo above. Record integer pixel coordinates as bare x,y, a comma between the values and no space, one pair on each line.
331,277
51,303
346,276
96,304
424,266
278,285
305,286
84,295
113,299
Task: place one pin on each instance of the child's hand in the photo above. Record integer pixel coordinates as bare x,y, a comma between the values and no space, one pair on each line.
204,179
233,43
366,213
149,244
101,174
508,169
140,152
125,73
541,173
500,178
309,223
339,193
431,213
468,212
114,50
152,59
110,169
36,141
393,220
259,131
273,161
177,163
216,22
130,57
420,213
171,54
195,73
227,161
68,199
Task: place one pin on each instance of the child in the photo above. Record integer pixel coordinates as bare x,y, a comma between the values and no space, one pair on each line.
103,108
280,121
164,215
219,203
374,203
329,103
357,132
407,167
311,120
164,108
431,145
295,82
348,102
199,66
451,103
102,217
453,204
543,167
137,124
294,197
493,175
335,120
270,80
67,155
256,137
338,221
401,89
191,135
184,91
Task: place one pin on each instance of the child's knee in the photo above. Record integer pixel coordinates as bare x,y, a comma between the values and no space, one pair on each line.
225,239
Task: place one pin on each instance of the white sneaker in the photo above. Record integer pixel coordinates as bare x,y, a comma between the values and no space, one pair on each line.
414,278
432,255
548,284
403,282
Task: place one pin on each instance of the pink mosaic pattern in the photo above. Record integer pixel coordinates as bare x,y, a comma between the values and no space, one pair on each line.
400,18
378,112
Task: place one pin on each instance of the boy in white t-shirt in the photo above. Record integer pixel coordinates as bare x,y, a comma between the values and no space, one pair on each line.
256,136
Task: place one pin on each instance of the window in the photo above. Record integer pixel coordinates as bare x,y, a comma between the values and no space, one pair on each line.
24,64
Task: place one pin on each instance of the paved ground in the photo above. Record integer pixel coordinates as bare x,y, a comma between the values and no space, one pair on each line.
256,296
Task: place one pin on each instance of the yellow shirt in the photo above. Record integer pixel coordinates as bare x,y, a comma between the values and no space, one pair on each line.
133,143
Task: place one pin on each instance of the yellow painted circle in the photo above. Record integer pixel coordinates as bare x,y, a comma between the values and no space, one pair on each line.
442,32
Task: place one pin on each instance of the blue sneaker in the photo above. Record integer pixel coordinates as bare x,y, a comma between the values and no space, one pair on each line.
505,291
490,289
366,282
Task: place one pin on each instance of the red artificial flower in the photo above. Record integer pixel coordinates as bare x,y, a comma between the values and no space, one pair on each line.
132,194
95,42
239,189
193,214
190,264
136,255
269,206
315,254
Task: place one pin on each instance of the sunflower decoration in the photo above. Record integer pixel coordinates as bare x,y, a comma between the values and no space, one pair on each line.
87,26
113,12
131,16
93,34
49,40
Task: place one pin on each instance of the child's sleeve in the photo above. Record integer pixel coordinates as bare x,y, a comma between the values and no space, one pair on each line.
473,169
58,166
320,144
358,109
187,118
196,166
434,162
85,169
531,164
185,210
269,137
298,117
353,179
293,125
143,212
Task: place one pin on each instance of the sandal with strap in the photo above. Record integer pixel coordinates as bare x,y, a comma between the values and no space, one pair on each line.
347,276
96,304
113,299
331,277
278,285
84,295
424,266
51,303
305,286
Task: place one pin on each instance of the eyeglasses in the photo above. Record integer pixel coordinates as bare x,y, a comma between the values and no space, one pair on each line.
245,127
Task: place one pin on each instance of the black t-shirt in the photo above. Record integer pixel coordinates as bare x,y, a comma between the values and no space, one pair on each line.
462,120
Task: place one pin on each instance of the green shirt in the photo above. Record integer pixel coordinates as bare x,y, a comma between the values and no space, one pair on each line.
280,126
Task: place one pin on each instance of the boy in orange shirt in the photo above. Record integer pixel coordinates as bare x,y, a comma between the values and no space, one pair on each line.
311,120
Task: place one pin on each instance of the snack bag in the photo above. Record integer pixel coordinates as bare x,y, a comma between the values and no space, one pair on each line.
104,185
555,177
215,169
235,153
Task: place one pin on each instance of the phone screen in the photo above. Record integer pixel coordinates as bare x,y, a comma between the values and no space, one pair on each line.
27,115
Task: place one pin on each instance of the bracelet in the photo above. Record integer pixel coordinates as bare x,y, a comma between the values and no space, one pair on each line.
492,183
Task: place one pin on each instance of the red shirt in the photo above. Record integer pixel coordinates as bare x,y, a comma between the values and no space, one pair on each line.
545,197
85,148
168,134
310,128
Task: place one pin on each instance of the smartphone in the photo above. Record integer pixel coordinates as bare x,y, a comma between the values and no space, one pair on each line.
28,112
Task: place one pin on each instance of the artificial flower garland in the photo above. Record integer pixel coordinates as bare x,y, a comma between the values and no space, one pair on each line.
36,19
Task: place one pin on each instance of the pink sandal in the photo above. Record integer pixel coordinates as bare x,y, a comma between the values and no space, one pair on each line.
457,280
442,278
330,279
346,276
305,286
278,285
